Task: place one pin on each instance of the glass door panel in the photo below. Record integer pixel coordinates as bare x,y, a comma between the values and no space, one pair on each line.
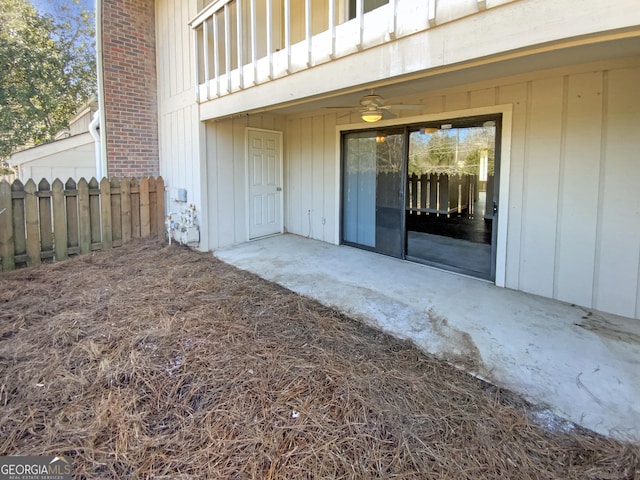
450,195
373,182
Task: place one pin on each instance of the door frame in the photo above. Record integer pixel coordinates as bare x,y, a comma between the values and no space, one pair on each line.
247,181
505,169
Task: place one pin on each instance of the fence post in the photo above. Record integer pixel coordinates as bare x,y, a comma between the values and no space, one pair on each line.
33,229
105,213
145,228
84,217
7,249
59,220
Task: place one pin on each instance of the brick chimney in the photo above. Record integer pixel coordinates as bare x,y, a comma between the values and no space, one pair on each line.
130,87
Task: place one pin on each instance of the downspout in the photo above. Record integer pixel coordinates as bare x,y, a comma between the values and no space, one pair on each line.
94,130
102,170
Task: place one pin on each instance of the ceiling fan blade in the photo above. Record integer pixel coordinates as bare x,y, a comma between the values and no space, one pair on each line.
346,107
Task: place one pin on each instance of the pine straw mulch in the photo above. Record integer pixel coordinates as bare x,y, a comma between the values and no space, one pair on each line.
154,361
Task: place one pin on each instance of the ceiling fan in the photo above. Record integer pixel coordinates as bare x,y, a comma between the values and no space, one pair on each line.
372,108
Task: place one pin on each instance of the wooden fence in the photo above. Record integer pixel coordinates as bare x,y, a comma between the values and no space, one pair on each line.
53,221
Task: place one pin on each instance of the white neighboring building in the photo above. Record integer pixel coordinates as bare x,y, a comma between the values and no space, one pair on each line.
70,155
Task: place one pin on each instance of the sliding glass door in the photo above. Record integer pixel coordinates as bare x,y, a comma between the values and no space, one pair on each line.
427,192
373,207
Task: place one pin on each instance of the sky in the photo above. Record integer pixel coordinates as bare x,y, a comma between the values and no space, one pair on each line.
48,6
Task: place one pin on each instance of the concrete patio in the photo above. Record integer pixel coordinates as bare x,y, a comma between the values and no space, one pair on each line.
581,365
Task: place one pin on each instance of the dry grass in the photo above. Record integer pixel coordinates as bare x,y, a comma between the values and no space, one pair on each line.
151,361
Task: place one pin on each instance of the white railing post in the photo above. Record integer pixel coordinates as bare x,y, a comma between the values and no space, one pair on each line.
287,32
239,43
307,21
205,31
216,54
432,12
393,18
332,27
227,46
254,53
360,20
270,38
196,51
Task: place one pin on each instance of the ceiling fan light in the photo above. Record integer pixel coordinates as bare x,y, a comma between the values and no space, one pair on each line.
371,116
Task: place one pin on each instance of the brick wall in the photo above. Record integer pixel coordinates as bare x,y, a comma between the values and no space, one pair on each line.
130,87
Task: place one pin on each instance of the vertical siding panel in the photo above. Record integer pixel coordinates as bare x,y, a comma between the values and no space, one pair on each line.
317,177
456,101
170,44
540,190
186,36
482,98
516,95
306,176
240,178
293,187
213,217
435,104
579,190
226,207
616,288
331,168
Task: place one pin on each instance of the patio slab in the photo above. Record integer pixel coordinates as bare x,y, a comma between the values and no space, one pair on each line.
579,364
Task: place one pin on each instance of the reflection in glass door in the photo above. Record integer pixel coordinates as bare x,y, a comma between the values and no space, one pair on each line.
373,207
451,195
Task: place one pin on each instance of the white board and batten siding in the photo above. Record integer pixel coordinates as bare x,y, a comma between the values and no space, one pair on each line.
181,134
573,229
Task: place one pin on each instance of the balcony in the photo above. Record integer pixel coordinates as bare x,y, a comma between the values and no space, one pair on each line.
242,43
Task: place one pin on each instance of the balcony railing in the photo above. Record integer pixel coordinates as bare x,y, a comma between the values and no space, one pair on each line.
240,43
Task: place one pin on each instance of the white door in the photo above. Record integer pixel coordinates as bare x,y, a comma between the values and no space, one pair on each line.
264,170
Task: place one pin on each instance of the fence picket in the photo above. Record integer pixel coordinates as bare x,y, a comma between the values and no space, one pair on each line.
116,213
125,205
94,212
160,207
105,212
59,220
19,234
6,227
71,204
41,221
84,217
46,226
145,228
33,230
153,221
135,209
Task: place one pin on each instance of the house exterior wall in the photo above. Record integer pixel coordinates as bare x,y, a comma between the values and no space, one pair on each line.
180,131
573,220
573,211
129,87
